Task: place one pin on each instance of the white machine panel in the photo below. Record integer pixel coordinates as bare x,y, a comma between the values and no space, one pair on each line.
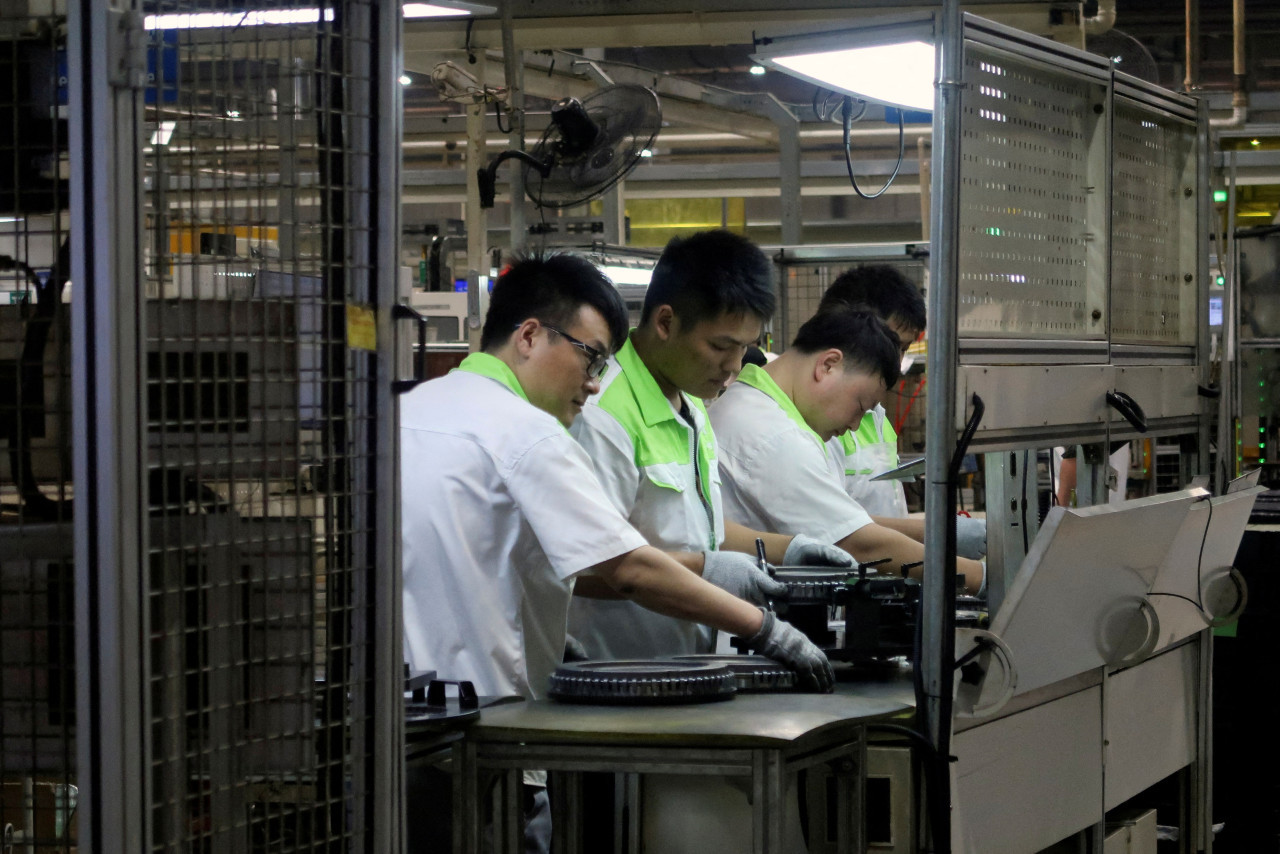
1021,396
1199,566
1081,592
1162,392
1010,794
1151,725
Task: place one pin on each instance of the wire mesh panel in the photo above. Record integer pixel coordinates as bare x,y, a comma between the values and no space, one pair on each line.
38,782
258,378
1032,200
1153,221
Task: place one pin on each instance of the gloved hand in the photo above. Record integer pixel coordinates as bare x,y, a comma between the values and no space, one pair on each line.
740,575
806,551
971,537
784,643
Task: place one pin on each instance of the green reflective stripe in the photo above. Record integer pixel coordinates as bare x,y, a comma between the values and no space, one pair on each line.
868,434
758,378
658,435
495,369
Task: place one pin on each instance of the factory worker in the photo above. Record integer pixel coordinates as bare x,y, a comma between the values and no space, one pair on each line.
774,423
501,508
648,435
872,448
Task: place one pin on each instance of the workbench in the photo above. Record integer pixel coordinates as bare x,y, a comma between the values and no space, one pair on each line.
764,738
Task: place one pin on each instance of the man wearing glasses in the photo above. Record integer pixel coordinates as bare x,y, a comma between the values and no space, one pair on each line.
647,432
872,448
501,508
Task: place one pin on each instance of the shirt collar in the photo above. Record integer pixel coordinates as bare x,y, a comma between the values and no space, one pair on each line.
654,405
759,379
495,369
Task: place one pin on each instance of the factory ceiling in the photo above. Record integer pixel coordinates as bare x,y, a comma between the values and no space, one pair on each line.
719,138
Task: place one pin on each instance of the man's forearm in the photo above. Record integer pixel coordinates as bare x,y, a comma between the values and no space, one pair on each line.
740,538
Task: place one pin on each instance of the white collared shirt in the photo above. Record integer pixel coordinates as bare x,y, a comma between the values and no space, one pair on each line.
662,475
501,508
869,451
776,473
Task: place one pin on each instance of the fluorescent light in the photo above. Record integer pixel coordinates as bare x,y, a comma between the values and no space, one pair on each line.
757,70
163,133
626,275
891,63
646,152
897,74
6,219
252,18
405,79
431,10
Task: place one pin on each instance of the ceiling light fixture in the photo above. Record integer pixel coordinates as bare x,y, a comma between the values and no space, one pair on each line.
757,70
447,9
405,79
163,133
888,63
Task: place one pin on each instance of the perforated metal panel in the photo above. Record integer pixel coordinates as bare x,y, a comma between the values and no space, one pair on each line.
1154,285
1032,201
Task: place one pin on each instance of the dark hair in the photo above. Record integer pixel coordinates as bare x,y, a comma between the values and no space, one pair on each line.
866,341
553,288
881,288
709,274
754,356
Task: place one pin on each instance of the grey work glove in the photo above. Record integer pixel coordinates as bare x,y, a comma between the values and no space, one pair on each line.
740,575
806,551
784,643
971,537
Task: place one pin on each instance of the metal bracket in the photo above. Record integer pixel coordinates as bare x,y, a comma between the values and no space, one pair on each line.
127,49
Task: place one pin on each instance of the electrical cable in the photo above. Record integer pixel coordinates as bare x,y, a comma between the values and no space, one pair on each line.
1026,544
847,122
1199,600
1053,481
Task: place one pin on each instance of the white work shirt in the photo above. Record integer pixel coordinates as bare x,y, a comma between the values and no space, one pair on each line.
661,474
869,451
501,508
778,474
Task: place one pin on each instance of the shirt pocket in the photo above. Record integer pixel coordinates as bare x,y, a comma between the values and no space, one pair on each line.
666,476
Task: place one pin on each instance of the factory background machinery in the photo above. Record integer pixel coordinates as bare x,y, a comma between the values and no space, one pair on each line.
203,228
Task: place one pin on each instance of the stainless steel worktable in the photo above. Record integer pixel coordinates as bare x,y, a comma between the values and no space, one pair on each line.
766,737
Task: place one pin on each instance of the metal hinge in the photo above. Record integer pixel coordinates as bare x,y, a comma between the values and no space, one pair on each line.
127,49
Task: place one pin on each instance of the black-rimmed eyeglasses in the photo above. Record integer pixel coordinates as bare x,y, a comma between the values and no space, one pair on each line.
596,360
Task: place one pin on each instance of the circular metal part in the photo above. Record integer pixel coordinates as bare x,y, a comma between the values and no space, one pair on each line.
754,674
639,682
806,584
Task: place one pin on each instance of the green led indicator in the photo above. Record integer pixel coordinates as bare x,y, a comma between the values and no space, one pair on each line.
1262,444
1219,196
1221,280
995,232
1262,459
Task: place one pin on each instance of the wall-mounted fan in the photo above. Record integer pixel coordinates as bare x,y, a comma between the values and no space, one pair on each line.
1126,53
589,146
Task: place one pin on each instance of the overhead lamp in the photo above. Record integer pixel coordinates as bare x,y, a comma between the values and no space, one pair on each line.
447,9
620,275
889,63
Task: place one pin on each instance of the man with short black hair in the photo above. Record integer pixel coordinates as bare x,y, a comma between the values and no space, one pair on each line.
774,424
872,448
648,435
502,509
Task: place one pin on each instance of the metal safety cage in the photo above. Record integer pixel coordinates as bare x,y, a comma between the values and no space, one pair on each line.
238,206
1067,306
39,783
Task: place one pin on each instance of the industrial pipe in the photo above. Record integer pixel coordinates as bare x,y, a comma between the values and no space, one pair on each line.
1104,20
1239,97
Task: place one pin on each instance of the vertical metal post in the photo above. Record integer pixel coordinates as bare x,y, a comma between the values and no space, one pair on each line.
789,175
513,68
386,812
938,640
615,215
106,72
1230,338
287,127
1204,221
477,218
1011,484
